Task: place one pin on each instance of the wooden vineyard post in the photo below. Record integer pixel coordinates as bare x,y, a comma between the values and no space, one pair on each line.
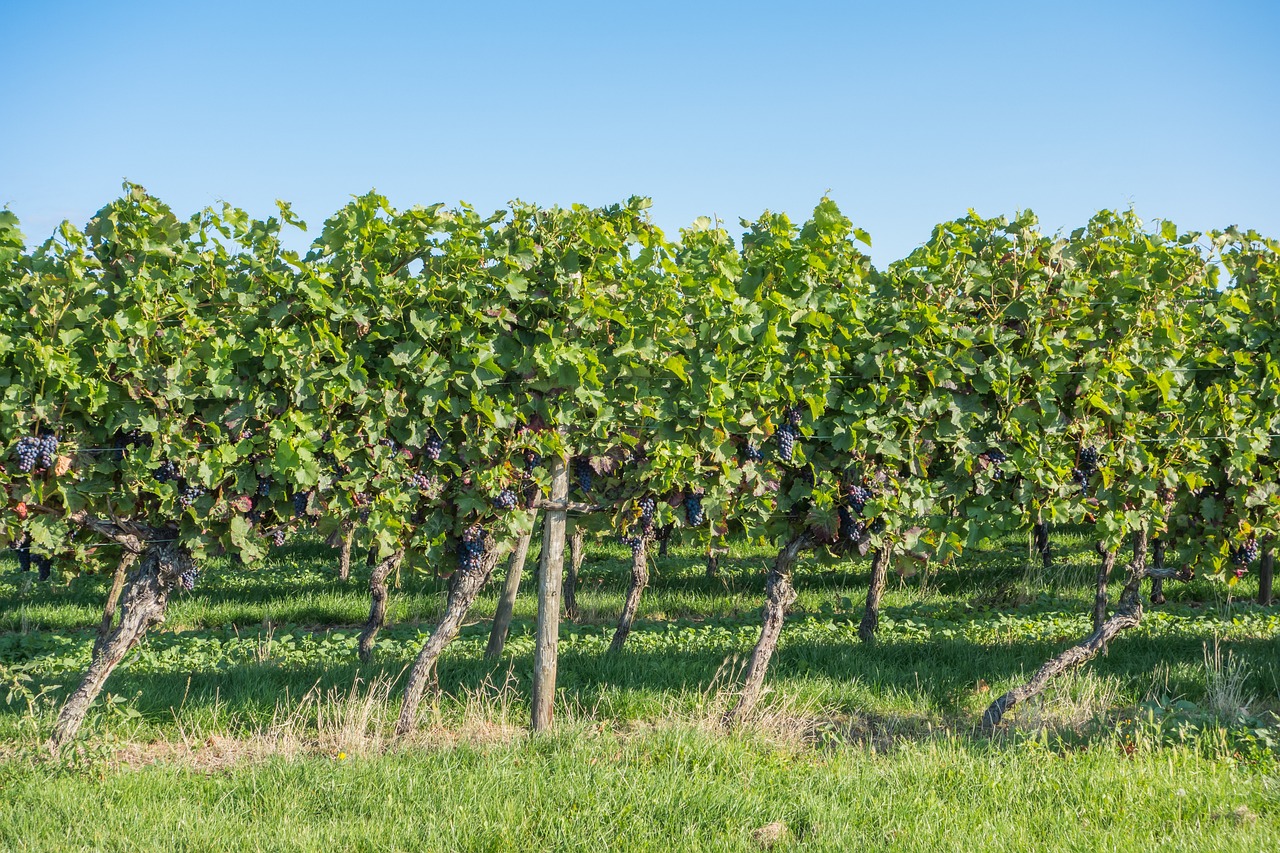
550,574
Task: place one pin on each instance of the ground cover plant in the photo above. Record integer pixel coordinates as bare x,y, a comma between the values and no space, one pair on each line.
254,685
267,492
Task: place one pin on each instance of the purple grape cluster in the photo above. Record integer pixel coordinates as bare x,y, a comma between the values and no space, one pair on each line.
38,453
389,443
792,414
851,528
858,495
506,499
635,543
28,450
994,456
264,486
1084,471
122,441
693,512
278,537
167,471
1246,553
532,459
420,481
300,501
188,494
648,506
433,447
752,452
187,580
582,472
787,436
471,549
48,450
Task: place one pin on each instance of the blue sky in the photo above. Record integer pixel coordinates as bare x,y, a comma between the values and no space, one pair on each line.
908,113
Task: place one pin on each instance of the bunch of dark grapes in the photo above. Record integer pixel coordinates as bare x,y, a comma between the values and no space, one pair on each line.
433,447
48,450
264,486
24,556
188,494
858,496
792,414
28,452
582,472
1246,553
167,471
1085,470
506,499
471,548
635,543
420,481
532,459
752,453
122,441
300,501
648,506
693,512
787,436
278,536
187,580
389,443
993,456
851,528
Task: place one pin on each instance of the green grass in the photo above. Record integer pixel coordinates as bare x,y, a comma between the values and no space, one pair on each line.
857,744
669,789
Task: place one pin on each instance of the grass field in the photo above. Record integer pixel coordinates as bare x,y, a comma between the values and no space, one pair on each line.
247,723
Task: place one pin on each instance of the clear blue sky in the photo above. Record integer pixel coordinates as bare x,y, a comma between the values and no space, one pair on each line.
908,113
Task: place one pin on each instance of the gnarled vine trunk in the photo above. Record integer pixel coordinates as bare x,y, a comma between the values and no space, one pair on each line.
779,596
1100,591
144,597
714,553
1157,561
507,601
1127,615
631,606
1040,540
127,559
875,591
577,553
377,604
1266,575
348,534
466,585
